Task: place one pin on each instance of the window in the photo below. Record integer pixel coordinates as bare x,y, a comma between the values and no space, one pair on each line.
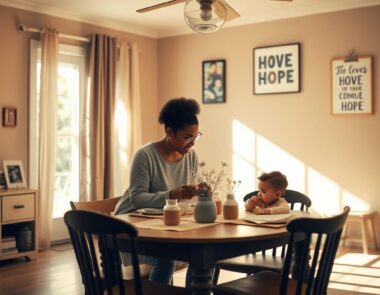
70,99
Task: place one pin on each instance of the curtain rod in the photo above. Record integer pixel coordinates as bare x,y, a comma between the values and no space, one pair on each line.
25,28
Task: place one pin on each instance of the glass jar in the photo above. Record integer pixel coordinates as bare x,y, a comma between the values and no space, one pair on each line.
172,212
230,208
218,202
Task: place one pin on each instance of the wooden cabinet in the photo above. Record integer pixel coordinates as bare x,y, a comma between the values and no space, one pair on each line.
18,223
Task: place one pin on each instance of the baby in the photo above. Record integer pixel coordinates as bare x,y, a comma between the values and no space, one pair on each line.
270,198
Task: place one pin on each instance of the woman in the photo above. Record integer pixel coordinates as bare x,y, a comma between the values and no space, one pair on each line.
164,169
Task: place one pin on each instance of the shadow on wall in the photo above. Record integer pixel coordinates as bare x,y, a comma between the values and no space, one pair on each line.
253,154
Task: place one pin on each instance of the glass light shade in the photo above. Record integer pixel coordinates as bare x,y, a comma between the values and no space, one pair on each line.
203,17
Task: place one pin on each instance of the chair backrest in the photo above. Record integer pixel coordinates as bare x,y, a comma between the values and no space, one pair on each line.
292,197
327,232
87,228
106,206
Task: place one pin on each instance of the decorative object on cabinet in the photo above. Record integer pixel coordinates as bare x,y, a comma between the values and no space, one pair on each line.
3,183
276,69
18,223
351,85
214,81
14,174
9,117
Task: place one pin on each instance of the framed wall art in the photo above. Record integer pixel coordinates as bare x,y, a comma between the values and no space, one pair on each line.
9,117
276,69
14,174
214,81
351,85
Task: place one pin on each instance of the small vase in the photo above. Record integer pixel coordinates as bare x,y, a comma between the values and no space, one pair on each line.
205,209
230,208
218,202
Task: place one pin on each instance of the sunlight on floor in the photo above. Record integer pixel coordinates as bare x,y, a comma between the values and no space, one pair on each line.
356,272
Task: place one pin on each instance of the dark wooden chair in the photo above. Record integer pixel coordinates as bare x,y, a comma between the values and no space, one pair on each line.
326,233
87,229
255,262
106,206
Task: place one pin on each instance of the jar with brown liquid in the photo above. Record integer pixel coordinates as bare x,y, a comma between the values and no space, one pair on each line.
218,202
230,208
172,212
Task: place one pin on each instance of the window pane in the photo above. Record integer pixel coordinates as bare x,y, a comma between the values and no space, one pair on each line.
67,159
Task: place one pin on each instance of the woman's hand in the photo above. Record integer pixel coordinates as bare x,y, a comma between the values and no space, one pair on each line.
183,192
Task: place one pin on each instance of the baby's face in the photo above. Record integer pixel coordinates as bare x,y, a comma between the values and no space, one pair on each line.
267,193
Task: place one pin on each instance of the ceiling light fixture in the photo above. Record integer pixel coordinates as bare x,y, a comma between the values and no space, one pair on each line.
205,16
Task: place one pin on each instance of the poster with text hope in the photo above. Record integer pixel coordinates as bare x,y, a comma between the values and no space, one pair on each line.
352,86
276,69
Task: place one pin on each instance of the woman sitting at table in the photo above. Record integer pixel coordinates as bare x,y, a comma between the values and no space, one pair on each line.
164,169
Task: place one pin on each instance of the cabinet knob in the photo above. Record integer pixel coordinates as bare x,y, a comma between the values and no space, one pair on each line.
18,206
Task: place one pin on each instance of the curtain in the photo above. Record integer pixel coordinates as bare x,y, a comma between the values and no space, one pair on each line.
47,132
128,114
98,133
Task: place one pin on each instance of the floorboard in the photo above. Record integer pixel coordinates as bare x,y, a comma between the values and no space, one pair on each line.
56,272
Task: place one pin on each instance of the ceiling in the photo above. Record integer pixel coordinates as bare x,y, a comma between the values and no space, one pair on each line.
169,21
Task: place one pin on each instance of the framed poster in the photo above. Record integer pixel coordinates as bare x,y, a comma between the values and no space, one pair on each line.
276,69
351,86
9,116
214,81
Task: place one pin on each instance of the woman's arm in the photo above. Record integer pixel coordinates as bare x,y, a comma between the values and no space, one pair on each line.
141,177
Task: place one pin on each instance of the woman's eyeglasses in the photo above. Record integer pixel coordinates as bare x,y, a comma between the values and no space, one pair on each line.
190,138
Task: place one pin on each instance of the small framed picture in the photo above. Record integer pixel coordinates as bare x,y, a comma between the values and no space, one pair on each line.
9,117
276,69
3,184
214,81
14,174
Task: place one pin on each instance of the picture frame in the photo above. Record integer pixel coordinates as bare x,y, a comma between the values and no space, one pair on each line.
9,117
277,69
14,174
3,183
352,85
214,81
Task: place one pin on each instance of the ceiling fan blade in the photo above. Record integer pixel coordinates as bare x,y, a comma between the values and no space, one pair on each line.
231,13
160,5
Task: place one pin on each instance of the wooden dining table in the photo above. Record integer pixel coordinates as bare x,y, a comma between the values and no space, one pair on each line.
202,247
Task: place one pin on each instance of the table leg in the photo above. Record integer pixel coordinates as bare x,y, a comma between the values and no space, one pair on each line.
201,281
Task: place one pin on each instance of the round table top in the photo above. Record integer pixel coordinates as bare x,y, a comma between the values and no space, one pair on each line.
214,233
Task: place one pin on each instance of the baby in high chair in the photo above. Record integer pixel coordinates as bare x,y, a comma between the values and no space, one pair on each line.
270,198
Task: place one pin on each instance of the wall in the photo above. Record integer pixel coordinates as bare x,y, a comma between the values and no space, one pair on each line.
14,73
334,159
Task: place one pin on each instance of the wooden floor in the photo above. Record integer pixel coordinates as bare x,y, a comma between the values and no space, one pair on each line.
56,272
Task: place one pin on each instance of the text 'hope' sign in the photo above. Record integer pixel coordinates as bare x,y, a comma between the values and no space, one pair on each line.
352,86
276,69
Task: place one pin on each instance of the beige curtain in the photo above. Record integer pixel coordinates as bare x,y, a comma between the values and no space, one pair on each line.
47,132
128,114
98,137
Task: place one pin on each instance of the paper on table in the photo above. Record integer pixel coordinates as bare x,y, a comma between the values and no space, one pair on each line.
271,218
159,224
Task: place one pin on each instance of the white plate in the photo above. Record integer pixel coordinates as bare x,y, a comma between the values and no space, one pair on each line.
150,211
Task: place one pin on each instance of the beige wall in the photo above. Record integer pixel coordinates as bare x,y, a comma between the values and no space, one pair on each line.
338,156
333,156
14,73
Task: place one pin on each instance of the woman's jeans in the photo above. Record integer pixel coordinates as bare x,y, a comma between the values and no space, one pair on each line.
162,270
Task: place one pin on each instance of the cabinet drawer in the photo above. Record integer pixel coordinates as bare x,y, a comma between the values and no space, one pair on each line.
17,207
